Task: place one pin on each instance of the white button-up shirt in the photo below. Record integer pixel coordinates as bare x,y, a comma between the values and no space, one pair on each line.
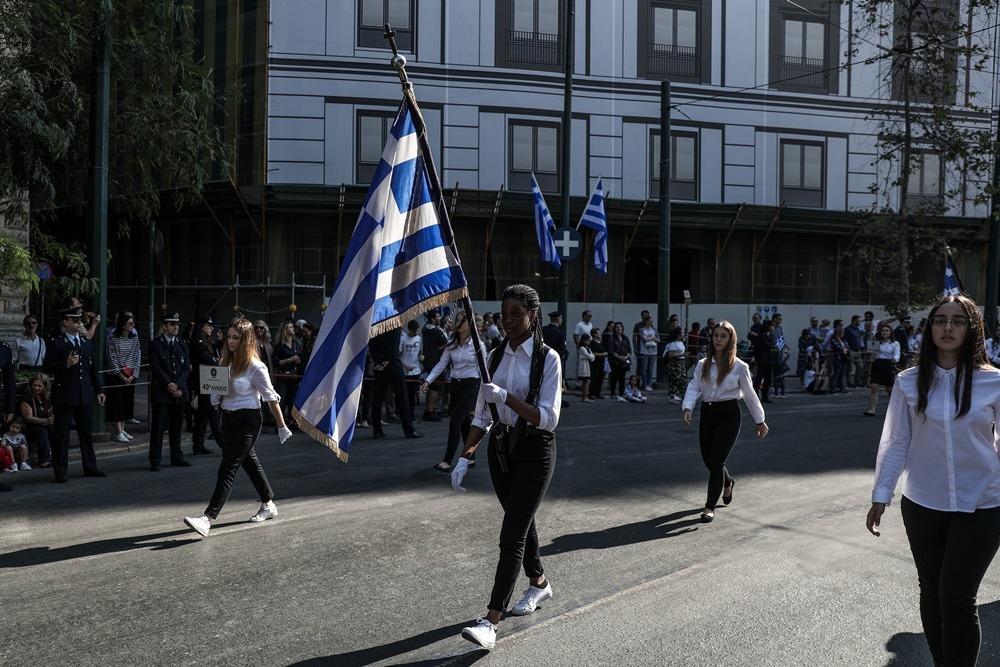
947,463
737,384
247,390
29,352
513,375
464,363
888,350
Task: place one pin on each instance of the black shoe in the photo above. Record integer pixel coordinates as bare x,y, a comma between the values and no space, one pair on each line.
765,400
95,473
378,436
180,464
60,479
472,463
200,450
415,434
432,418
727,495
154,468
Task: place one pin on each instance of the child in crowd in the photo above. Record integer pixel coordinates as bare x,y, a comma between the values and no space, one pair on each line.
586,356
633,392
16,446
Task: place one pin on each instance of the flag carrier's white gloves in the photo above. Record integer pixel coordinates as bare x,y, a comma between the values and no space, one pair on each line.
458,473
491,393
284,433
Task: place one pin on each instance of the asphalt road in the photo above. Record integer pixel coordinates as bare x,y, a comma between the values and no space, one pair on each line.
379,562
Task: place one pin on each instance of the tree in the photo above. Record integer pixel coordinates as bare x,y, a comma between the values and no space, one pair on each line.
935,143
161,132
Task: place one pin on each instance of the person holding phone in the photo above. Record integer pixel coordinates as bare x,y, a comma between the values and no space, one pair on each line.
940,437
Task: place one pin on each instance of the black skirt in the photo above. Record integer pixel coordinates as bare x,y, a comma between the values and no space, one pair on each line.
884,372
120,399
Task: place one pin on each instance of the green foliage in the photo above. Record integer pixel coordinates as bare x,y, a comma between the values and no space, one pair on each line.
932,48
162,102
17,267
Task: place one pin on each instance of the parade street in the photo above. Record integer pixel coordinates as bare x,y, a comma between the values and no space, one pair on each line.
380,562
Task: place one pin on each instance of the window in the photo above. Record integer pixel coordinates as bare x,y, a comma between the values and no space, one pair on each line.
374,14
683,165
529,34
802,174
373,131
675,43
803,49
925,184
926,69
534,147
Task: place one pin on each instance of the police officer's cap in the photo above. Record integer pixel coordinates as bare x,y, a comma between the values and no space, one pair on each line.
554,314
203,320
72,312
171,318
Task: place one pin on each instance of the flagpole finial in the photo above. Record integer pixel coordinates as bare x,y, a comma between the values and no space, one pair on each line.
398,60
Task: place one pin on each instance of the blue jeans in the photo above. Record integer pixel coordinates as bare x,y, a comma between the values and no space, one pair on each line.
647,364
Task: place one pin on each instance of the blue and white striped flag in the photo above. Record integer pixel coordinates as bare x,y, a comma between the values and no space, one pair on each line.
952,285
544,224
595,218
397,266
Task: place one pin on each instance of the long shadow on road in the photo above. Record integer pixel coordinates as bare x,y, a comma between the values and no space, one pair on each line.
909,649
647,530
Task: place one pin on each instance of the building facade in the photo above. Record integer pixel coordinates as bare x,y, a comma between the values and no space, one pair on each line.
775,154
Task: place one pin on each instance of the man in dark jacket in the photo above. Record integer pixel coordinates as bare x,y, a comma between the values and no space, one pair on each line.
69,361
434,339
169,368
203,354
389,371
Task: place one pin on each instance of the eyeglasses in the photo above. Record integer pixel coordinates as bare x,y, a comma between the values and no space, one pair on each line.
955,322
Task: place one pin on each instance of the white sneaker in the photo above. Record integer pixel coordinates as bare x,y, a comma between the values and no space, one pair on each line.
483,633
675,399
622,399
128,435
266,511
132,421
11,469
121,437
648,388
25,466
531,598
200,525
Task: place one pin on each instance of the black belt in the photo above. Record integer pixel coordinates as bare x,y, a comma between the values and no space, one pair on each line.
728,400
465,379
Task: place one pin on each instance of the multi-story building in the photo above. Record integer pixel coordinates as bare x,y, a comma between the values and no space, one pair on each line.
774,149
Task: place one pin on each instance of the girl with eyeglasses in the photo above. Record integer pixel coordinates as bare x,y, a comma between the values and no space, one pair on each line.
940,437
884,367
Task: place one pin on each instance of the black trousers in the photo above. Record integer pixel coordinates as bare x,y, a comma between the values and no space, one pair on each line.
464,392
617,383
286,387
241,429
65,415
40,435
397,382
765,370
952,551
718,429
207,417
166,417
520,491
596,378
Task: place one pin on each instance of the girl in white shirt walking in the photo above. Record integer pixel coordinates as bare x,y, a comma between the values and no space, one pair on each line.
249,382
721,380
884,367
460,353
939,435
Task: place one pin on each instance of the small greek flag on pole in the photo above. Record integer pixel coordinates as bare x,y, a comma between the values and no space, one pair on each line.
544,224
397,265
595,218
952,285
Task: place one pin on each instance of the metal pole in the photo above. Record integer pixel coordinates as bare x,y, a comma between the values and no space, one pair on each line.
663,277
565,159
100,102
993,254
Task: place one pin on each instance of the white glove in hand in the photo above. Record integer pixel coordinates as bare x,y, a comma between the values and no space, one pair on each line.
284,433
458,473
491,393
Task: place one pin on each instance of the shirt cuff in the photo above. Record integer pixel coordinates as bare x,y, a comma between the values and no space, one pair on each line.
883,496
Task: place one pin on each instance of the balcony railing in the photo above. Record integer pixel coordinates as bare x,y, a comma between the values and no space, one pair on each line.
534,48
804,72
672,60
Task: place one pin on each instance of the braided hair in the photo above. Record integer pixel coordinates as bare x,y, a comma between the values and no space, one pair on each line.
528,298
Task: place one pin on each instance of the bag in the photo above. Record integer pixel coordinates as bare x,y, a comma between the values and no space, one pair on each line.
126,371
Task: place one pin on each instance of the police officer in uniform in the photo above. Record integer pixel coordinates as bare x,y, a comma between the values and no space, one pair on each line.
169,368
203,354
69,361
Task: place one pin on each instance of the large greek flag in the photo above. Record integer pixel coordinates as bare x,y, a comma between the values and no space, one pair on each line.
397,266
544,224
595,218
952,285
